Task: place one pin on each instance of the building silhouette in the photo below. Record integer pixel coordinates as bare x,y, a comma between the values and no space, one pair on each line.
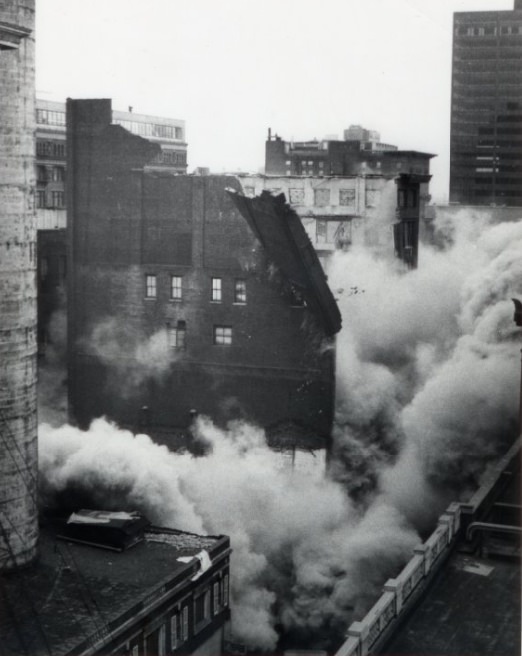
486,108
169,258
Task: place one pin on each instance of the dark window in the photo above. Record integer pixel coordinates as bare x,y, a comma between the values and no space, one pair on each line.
58,174
41,173
201,610
44,268
223,335
412,198
177,335
58,199
240,295
40,199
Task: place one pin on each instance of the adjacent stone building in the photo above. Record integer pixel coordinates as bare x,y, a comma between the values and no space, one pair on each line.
18,419
175,308
382,213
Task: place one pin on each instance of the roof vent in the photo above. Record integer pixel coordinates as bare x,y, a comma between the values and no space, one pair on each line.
105,529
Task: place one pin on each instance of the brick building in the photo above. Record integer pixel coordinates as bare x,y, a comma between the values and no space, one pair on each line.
169,257
486,108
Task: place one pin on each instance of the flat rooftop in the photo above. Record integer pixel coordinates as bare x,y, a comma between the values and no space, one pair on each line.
74,591
473,605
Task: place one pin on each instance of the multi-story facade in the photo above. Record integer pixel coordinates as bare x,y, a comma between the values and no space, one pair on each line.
360,152
380,212
486,108
356,191
171,258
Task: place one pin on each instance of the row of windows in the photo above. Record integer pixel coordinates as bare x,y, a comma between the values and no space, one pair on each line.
322,197
172,157
50,149
50,117
53,200
489,30
177,335
152,129
46,174
176,631
176,289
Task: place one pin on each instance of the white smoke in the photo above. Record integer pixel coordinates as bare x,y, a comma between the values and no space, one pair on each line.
296,542
130,359
428,364
427,394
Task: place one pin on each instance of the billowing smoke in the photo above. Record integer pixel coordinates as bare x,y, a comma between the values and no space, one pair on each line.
302,550
130,359
428,373
428,379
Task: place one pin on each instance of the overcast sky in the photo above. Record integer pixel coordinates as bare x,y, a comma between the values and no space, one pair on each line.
233,68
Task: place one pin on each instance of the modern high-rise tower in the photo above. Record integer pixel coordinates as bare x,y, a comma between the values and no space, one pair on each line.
486,108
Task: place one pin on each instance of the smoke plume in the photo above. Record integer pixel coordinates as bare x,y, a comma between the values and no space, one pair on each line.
130,359
428,375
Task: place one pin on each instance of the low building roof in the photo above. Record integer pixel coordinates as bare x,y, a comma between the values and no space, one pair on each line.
75,595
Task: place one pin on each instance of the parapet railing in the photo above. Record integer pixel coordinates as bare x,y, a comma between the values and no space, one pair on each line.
369,635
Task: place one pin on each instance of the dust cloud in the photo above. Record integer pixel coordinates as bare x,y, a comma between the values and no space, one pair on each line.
427,388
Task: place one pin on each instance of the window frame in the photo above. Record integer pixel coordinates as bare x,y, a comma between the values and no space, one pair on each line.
240,291
177,335
177,288
151,290
216,289
222,335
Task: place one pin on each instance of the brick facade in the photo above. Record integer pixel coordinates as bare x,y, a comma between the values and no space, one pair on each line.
129,222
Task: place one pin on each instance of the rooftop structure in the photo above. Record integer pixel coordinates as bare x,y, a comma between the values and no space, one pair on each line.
486,108
360,153
168,593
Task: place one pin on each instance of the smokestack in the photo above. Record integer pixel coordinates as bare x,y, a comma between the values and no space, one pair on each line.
18,421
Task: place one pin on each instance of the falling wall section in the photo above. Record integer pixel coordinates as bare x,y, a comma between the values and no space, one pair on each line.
18,419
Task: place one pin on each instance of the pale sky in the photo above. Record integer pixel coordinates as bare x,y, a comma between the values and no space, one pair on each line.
233,68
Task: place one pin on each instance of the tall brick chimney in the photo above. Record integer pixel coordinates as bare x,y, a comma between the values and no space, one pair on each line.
18,420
